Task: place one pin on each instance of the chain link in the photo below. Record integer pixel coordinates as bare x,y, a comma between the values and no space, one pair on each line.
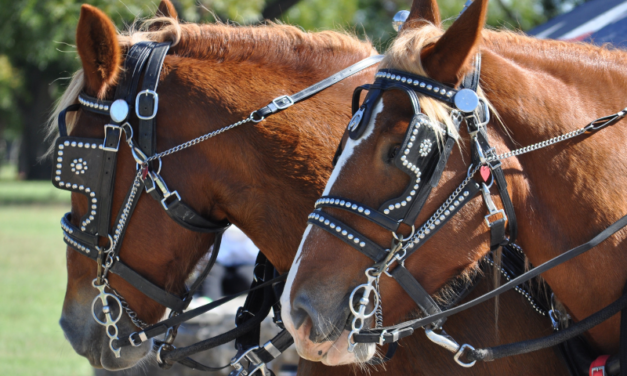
536,146
122,223
129,312
431,222
200,139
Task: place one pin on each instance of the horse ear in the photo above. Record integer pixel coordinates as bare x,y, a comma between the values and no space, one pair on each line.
166,9
448,59
98,48
426,10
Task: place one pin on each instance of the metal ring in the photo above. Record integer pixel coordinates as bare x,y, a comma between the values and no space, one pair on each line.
252,117
158,355
492,180
109,247
103,323
469,169
370,290
403,240
459,354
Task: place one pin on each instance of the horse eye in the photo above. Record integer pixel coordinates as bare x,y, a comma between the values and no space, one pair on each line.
393,152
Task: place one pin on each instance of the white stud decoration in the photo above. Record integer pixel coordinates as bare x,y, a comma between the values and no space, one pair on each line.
425,147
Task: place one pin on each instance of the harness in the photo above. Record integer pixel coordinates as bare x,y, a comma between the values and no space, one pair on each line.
421,159
87,166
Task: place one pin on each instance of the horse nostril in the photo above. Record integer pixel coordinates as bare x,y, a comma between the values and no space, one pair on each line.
300,310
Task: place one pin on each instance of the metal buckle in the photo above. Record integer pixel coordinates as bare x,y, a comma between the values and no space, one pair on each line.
255,364
175,193
459,354
164,189
104,142
282,102
142,338
396,335
155,97
491,207
598,369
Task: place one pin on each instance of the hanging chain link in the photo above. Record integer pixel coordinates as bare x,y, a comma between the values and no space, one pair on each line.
122,223
129,312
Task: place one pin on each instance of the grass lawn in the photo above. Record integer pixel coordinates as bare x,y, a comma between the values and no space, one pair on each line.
32,284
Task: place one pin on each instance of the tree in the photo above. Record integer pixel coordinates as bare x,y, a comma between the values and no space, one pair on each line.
37,54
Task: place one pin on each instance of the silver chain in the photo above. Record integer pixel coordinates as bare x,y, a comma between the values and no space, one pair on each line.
129,312
431,223
122,223
536,146
200,139
379,312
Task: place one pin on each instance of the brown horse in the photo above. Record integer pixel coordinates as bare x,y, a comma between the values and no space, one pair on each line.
259,177
563,195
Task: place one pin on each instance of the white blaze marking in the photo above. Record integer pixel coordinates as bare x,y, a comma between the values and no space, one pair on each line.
347,153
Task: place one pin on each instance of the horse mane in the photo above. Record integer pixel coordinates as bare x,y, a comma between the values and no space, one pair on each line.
564,51
302,51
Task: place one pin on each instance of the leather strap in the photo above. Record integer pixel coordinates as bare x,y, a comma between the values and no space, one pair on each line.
372,336
133,67
162,326
148,100
348,235
283,102
105,193
181,213
417,293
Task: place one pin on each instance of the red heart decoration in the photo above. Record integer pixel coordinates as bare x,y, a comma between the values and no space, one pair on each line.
485,173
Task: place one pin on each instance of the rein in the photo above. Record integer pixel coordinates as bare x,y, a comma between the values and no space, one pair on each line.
424,164
87,166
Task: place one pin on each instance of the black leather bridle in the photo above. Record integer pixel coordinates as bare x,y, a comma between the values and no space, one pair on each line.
424,164
87,166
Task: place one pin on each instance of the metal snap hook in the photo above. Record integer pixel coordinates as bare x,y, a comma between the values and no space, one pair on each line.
128,131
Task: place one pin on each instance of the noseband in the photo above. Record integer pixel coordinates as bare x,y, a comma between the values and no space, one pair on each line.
87,166
423,161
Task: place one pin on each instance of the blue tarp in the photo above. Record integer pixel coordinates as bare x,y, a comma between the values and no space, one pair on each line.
582,21
614,33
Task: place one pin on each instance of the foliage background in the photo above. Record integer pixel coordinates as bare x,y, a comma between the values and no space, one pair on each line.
37,53
37,57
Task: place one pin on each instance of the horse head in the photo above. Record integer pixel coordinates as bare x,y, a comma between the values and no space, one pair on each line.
390,164
257,175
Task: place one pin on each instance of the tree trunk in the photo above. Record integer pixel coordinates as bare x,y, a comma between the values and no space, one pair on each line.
35,111
276,8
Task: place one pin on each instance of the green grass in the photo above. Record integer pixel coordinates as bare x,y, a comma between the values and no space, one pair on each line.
32,287
32,192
